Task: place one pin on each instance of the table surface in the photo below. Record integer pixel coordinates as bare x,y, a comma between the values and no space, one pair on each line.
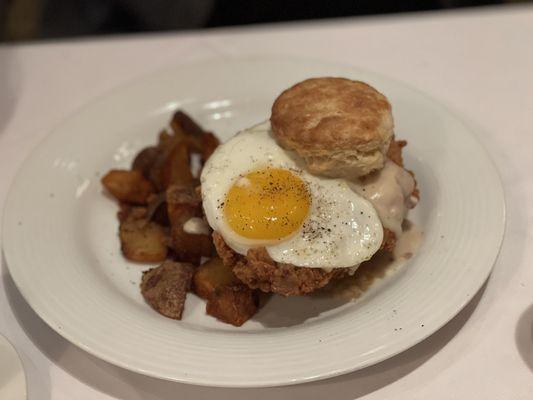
477,62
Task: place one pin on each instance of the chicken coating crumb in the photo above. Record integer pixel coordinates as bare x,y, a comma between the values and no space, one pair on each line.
395,151
258,271
389,240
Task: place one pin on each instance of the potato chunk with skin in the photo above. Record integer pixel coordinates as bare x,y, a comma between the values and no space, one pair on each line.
128,186
156,209
181,121
199,140
142,240
233,304
145,159
176,170
211,275
165,287
161,216
171,152
169,162
184,203
209,145
228,299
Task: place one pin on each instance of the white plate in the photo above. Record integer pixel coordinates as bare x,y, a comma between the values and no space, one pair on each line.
63,252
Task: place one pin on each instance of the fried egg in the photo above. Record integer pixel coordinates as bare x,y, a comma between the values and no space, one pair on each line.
257,194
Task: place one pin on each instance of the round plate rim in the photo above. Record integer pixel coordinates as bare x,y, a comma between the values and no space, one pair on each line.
247,384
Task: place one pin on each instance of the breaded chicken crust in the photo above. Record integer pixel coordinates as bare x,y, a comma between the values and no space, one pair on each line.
258,271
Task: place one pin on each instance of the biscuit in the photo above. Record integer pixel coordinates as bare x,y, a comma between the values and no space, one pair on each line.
340,127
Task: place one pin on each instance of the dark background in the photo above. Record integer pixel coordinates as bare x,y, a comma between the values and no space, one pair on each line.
47,19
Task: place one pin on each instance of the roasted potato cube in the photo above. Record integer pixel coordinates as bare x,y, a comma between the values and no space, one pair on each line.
184,203
126,209
212,275
233,304
181,121
156,209
165,287
142,240
155,174
144,160
200,141
128,186
172,162
166,144
177,167
209,145
167,140
228,299
194,143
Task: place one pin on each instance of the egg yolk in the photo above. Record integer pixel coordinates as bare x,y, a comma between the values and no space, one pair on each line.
267,204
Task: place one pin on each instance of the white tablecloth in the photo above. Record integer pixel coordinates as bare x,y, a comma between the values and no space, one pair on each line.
477,62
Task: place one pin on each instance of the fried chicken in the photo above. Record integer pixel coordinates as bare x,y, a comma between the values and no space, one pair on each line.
259,271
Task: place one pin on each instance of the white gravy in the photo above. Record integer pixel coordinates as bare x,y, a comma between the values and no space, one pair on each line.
389,191
196,226
382,263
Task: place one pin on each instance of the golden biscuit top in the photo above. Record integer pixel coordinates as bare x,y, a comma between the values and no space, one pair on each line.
322,114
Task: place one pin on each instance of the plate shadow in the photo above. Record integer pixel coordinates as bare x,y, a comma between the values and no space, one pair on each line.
524,336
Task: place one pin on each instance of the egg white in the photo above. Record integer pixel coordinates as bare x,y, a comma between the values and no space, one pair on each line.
342,228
